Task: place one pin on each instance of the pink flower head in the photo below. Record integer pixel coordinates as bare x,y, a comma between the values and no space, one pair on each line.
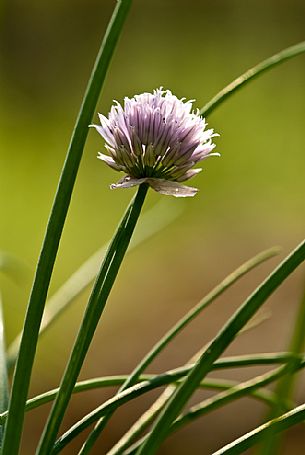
155,138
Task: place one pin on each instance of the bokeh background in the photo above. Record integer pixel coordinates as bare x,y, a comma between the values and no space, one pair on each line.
250,198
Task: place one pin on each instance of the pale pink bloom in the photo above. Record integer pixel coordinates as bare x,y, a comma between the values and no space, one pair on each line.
155,138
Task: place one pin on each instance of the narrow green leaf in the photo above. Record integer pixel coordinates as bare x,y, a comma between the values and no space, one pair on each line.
152,222
178,327
277,425
4,389
14,424
251,74
217,347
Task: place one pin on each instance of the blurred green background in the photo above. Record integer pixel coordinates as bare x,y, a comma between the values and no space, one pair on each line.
250,198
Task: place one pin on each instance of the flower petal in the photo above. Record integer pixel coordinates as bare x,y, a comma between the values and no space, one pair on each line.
171,188
127,182
189,174
110,161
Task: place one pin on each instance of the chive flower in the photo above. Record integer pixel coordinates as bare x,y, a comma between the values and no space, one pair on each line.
155,138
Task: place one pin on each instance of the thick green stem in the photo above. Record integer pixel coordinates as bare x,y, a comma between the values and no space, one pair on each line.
14,424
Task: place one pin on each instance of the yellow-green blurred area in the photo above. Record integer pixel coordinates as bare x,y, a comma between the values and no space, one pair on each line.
250,198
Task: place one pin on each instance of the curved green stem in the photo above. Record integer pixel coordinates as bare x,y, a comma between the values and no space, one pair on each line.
217,347
170,335
127,395
235,392
251,74
55,225
284,387
224,363
277,425
121,398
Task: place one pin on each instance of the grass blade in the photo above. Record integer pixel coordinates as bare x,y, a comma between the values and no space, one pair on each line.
224,363
152,221
170,335
252,74
123,397
14,424
277,425
129,394
217,347
235,392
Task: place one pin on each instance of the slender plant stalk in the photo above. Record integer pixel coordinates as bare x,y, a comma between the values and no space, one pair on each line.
284,388
113,381
251,74
170,335
152,221
123,397
95,307
145,420
237,391
277,425
217,347
221,364
14,424
4,389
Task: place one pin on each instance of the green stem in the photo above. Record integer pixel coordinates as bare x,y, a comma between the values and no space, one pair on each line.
14,424
161,344
232,391
139,389
251,74
95,307
235,392
4,388
118,400
284,387
277,425
221,364
217,347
